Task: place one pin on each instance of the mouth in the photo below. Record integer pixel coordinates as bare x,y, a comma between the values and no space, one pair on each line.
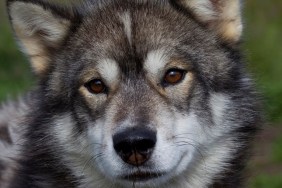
142,176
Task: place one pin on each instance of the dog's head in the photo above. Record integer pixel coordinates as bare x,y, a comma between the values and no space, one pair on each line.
146,85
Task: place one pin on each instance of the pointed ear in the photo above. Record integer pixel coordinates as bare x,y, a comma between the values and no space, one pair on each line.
222,16
40,29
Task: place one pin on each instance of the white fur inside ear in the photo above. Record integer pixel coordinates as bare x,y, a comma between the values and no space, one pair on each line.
223,16
202,8
32,18
231,28
37,30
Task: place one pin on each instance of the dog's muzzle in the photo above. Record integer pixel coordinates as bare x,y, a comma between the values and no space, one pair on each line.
135,145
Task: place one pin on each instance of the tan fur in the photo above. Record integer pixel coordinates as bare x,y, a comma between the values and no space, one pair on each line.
36,52
183,89
39,63
86,76
223,16
92,99
30,22
231,28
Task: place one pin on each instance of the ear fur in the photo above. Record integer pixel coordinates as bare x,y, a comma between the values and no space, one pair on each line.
40,28
222,16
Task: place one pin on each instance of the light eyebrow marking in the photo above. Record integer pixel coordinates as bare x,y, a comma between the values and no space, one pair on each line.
109,70
156,61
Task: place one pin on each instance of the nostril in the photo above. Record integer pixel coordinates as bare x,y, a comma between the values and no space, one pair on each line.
144,145
123,147
135,146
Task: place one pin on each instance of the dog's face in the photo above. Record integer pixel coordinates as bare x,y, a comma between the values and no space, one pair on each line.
142,86
134,84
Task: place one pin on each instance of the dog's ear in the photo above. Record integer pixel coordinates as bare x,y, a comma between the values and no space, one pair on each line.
222,16
40,29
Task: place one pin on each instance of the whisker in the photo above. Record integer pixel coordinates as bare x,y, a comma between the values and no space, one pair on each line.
93,158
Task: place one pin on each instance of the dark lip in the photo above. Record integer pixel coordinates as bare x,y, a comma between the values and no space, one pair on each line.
142,176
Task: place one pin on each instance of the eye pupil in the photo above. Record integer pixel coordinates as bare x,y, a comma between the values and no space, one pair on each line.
173,76
96,86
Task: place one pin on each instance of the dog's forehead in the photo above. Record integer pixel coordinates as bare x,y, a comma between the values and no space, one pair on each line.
141,37
131,32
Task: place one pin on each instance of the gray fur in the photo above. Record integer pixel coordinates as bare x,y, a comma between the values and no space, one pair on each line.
13,118
204,123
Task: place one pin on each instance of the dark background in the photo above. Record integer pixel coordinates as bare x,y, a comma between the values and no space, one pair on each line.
263,50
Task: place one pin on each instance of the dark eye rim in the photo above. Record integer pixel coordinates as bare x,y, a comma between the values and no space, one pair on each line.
87,85
183,74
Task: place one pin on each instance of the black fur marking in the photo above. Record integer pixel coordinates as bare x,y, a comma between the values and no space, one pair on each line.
2,168
5,135
40,167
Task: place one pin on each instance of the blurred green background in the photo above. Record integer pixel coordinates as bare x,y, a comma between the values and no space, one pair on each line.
263,49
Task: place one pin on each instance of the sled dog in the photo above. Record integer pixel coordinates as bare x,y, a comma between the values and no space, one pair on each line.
130,93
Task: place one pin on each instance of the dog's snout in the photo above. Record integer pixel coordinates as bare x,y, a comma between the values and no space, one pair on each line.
135,146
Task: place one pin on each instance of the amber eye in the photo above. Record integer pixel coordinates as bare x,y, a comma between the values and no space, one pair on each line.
96,86
173,76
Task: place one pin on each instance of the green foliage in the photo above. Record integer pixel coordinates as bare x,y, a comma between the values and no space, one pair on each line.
14,69
267,181
277,151
264,51
263,43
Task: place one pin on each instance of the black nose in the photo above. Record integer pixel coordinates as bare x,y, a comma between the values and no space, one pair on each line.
135,145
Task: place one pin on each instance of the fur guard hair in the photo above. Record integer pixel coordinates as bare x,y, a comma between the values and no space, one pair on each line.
130,93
